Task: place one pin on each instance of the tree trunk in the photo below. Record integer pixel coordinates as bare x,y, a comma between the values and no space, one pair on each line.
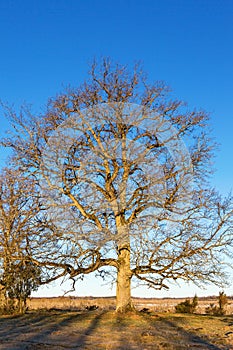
123,292
20,306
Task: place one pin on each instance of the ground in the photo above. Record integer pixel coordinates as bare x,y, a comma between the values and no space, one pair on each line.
105,330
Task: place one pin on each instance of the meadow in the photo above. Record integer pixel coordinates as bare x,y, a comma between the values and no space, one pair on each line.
108,303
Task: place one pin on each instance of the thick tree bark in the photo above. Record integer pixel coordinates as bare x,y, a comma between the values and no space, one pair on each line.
124,275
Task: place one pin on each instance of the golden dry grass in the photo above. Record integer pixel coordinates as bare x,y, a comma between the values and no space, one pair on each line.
108,303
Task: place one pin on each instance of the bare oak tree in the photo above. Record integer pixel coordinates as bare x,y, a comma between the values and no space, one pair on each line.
123,170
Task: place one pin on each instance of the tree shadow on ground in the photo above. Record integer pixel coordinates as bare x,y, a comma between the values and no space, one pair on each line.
228,320
98,330
121,326
179,337
47,330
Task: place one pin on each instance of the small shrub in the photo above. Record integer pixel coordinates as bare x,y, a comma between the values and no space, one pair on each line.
212,310
18,280
92,307
222,300
145,310
187,307
195,302
218,310
8,307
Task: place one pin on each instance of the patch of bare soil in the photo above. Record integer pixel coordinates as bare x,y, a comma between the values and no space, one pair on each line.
105,330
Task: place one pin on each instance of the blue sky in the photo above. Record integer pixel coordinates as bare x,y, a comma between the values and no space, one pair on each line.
47,45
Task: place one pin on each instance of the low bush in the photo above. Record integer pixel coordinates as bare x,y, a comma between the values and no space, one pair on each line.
218,310
92,307
187,307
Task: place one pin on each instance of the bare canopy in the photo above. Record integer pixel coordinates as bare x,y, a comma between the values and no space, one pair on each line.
123,170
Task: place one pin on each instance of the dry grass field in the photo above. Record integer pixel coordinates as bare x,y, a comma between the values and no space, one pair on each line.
105,330
108,303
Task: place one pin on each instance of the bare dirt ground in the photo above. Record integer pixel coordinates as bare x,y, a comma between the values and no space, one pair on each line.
105,330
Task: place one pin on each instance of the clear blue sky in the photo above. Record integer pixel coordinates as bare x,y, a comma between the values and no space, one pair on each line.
47,45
